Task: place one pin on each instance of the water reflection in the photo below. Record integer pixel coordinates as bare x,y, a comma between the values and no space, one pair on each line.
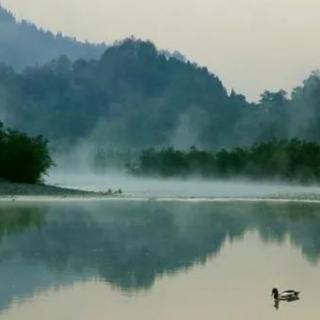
277,302
129,245
17,219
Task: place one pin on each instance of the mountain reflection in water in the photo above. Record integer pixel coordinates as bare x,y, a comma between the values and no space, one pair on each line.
130,244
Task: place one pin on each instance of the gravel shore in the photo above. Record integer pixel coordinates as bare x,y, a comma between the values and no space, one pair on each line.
22,189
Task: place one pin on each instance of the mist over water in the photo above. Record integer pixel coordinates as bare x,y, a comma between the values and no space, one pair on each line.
192,188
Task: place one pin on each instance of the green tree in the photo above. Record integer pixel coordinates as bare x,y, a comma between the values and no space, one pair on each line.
23,158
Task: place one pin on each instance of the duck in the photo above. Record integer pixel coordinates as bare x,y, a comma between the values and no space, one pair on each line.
287,295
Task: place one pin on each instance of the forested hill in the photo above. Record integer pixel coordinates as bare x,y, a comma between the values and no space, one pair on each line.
23,44
135,97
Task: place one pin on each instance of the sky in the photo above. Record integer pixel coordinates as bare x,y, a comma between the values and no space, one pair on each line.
252,45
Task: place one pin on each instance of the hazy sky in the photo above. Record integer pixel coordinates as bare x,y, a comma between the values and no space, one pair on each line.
251,45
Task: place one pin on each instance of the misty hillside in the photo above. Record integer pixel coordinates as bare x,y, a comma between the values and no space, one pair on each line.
23,44
134,96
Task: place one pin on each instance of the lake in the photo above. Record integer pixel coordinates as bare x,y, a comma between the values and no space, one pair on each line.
146,260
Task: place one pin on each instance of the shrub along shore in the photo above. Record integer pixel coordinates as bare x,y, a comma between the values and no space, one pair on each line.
23,158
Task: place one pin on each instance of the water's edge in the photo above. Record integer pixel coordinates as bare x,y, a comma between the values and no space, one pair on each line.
11,199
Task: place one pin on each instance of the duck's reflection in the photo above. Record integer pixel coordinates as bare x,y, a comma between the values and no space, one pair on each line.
277,301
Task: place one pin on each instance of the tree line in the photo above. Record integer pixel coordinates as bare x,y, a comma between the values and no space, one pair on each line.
290,160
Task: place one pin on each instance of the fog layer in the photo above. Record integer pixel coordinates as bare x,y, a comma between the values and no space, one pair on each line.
195,188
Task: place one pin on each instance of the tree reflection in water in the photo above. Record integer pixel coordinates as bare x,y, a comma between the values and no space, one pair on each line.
130,244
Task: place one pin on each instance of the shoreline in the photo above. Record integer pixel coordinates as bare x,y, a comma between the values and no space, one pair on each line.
103,198
19,192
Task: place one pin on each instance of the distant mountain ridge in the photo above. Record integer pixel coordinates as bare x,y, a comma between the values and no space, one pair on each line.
23,44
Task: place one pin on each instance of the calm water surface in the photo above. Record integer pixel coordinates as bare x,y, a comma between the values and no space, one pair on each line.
145,260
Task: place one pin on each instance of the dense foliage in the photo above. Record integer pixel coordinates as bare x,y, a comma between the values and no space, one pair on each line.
23,44
289,160
136,97
23,158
